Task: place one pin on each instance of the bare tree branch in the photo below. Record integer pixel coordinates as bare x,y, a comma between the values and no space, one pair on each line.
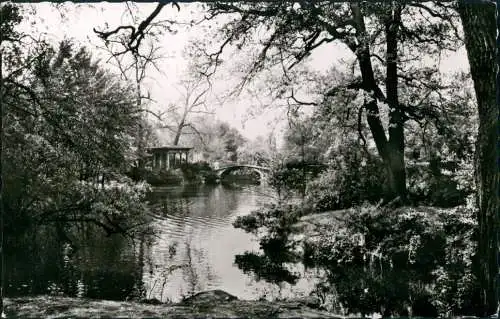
292,96
136,35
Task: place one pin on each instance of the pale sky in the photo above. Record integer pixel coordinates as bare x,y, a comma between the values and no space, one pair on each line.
81,18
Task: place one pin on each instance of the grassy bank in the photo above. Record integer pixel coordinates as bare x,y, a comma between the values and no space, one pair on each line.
62,307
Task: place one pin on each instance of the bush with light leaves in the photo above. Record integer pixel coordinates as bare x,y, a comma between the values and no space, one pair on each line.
382,260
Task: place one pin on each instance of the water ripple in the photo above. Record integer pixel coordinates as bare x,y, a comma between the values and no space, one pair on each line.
200,223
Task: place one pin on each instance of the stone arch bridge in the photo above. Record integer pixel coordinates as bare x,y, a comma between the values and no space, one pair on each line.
261,170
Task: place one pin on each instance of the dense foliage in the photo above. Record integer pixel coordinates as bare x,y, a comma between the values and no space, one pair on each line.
392,261
351,179
439,148
376,259
69,125
382,260
290,177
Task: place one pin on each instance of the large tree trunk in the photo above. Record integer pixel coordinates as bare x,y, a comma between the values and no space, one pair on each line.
2,191
390,150
397,174
478,22
498,143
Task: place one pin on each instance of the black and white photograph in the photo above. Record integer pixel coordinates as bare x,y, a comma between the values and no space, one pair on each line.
253,159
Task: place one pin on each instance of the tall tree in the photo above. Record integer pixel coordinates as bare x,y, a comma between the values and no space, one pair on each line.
290,32
134,52
295,30
220,141
10,49
192,104
478,20
60,145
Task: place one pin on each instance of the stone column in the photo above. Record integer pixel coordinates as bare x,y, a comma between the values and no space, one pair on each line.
168,160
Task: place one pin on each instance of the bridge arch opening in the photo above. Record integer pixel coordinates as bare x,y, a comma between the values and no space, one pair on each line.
261,172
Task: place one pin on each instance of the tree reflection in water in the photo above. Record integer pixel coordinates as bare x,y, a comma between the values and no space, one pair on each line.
85,264
194,249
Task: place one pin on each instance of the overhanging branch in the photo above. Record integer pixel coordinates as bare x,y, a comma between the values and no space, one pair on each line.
136,34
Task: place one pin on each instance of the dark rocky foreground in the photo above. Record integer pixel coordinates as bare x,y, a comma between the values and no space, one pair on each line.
209,304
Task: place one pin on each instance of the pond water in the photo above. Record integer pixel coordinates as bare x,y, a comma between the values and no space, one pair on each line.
194,250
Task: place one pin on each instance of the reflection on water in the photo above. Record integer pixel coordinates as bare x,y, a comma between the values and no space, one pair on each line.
198,221
92,265
194,250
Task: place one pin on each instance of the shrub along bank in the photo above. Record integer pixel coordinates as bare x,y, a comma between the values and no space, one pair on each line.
191,173
394,261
